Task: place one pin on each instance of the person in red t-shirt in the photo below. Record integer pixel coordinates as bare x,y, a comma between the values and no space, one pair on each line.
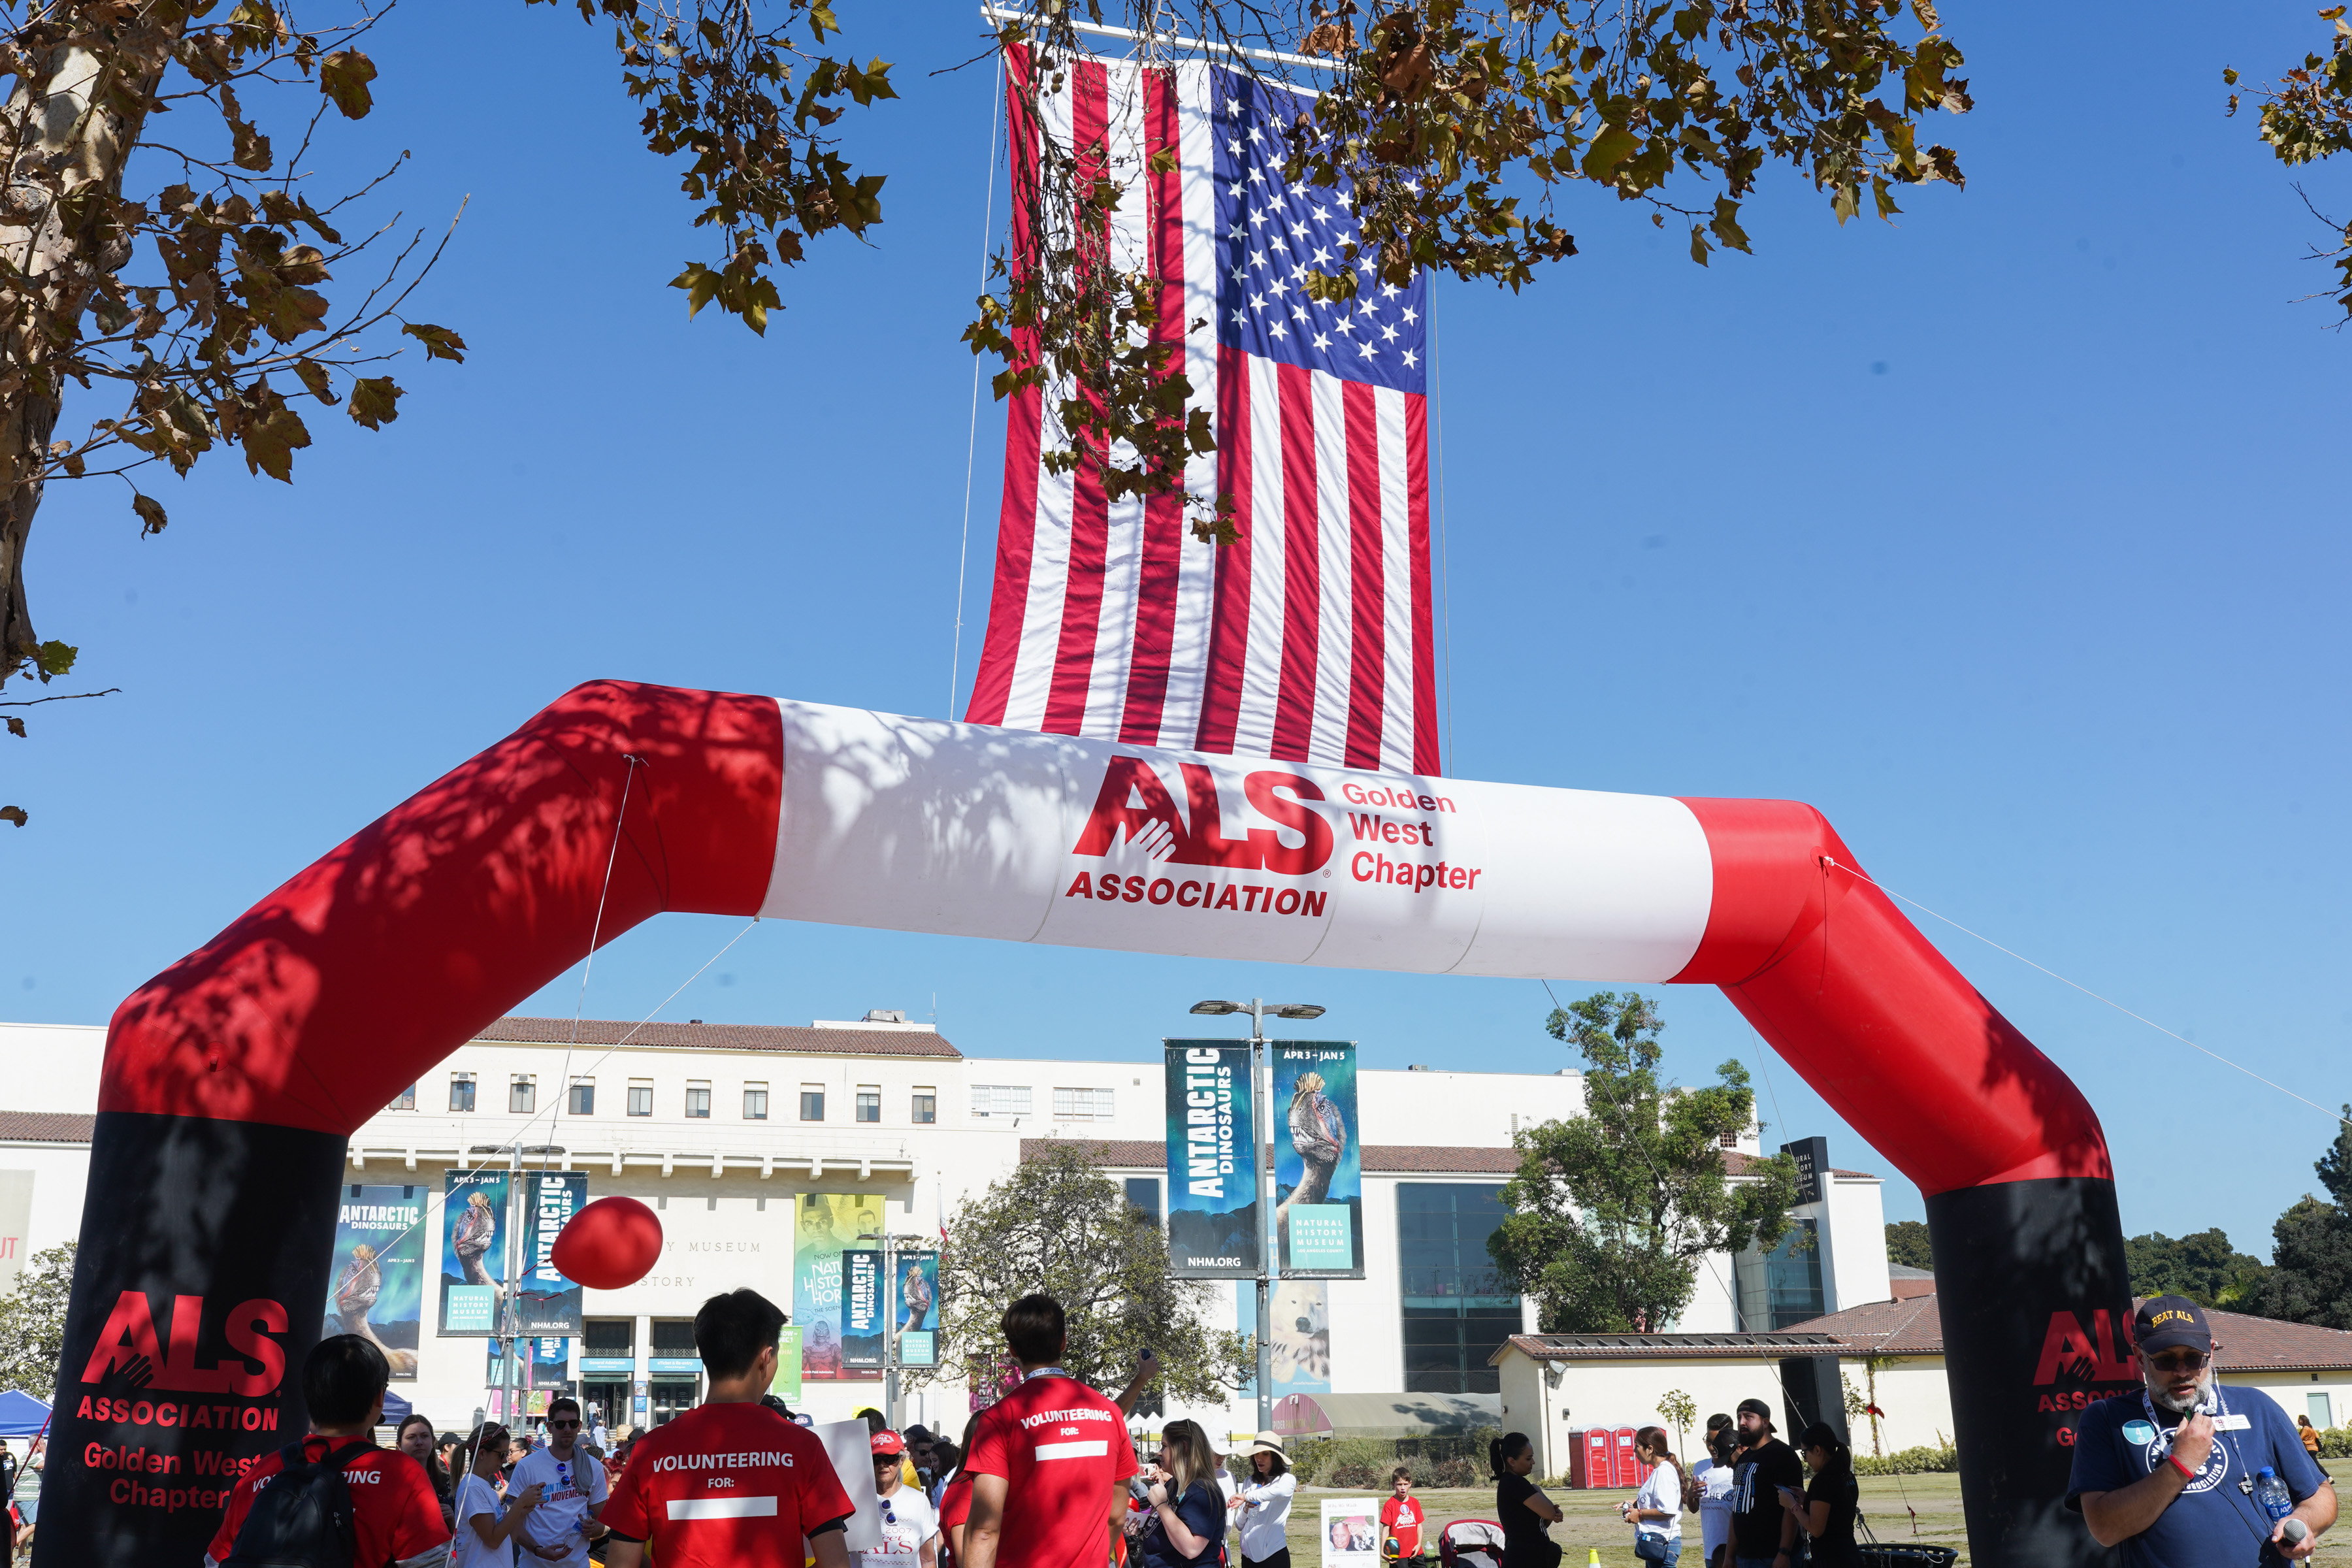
733,1483
955,1497
395,1517
1049,1462
1401,1514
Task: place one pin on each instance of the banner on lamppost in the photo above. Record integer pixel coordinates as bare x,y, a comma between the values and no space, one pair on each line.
918,1308
861,1308
473,1251
1213,1212
1319,1170
377,1288
545,1301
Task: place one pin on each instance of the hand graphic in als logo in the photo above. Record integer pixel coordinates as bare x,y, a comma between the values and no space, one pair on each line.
129,1344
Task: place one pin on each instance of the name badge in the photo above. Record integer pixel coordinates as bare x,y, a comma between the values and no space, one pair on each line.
2233,1422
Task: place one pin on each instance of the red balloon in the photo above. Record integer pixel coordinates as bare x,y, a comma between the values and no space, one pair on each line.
609,1244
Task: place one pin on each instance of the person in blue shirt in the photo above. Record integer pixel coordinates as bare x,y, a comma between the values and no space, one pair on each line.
2167,1474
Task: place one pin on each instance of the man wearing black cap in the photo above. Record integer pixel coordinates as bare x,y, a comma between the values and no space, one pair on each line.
2168,1474
1763,1533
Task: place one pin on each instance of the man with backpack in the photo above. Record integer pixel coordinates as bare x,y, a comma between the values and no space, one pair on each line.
335,1500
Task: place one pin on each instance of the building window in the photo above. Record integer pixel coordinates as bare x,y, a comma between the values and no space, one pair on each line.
1082,1105
523,1094
609,1336
994,1101
927,1105
641,1097
1457,1308
1729,1140
583,1101
2320,1416
1143,1196
697,1101
811,1102
461,1091
869,1102
755,1102
1783,1286
405,1101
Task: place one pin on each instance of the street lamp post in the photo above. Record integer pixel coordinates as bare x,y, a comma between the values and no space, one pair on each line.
1262,1136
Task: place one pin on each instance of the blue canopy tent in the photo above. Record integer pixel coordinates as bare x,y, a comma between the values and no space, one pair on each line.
21,1415
396,1408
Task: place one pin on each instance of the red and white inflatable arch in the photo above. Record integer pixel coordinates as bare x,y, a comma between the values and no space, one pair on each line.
232,1079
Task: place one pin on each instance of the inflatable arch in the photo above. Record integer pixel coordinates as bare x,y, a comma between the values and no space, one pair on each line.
232,1079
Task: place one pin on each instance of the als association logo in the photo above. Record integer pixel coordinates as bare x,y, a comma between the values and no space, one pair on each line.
129,1344
2099,1356
1135,804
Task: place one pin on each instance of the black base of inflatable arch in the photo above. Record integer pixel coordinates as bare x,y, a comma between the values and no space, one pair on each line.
2035,1300
200,1286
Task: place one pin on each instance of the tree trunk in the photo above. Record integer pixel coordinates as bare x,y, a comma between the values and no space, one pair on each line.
67,133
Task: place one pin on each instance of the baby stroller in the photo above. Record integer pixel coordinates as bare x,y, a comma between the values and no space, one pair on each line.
1471,1543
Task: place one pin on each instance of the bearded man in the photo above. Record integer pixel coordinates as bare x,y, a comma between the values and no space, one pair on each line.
2166,1475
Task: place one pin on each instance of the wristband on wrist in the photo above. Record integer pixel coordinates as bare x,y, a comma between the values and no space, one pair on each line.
2186,1473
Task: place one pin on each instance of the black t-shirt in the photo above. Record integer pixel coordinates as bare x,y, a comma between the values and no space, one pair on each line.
1756,1510
1835,1546
1525,1544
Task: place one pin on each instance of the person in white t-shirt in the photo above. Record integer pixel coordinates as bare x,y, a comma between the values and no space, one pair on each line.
1716,1476
1656,1511
910,1525
573,1493
487,1527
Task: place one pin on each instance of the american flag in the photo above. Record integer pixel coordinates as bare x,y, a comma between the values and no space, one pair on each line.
1310,638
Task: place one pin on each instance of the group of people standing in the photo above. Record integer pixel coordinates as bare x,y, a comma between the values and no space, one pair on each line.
1755,1506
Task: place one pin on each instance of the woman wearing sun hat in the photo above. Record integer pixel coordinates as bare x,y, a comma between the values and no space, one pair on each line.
1264,1493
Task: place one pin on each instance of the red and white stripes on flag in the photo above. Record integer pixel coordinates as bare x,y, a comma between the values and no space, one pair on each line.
1310,639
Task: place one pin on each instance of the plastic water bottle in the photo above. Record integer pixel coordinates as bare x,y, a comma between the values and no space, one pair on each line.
2271,1493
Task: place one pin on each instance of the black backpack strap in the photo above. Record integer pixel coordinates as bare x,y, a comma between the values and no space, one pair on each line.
339,1490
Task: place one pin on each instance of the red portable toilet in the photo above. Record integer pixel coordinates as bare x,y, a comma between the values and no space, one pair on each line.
1628,1464
1592,1450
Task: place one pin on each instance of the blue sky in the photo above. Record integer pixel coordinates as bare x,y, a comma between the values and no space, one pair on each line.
2011,537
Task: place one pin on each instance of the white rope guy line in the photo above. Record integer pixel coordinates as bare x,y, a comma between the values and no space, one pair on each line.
1832,861
971,435
596,928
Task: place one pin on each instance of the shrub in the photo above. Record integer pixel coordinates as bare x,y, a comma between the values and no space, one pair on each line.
1910,1462
1365,1463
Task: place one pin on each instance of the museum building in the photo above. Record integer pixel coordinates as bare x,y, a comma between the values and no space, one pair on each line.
767,1148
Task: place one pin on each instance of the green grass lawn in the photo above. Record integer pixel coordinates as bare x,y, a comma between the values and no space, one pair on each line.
1890,1504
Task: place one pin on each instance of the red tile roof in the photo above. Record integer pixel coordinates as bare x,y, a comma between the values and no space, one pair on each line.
46,1127
789,1039
1671,1347
1736,1163
2247,1343
1380,1159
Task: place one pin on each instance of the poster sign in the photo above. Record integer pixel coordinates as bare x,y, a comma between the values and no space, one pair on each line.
1351,1532
861,1308
1300,1337
376,1287
544,1362
1318,1170
1812,1158
1212,1214
917,1306
473,1250
787,1385
825,1225
546,1302
15,1223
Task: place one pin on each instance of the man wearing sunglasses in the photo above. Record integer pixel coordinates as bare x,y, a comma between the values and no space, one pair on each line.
910,1526
566,1519
2167,1473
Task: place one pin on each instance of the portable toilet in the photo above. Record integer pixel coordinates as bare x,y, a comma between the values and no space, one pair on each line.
1628,1466
1595,1466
